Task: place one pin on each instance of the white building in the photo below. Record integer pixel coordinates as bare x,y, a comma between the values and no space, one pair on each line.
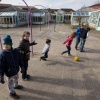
13,17
40,16
94,20
83,14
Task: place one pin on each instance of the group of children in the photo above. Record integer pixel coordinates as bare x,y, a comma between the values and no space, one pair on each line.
82,34
11,58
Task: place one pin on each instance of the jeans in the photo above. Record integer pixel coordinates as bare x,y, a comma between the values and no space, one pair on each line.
25,62
68,50
12,82
77,42
44,56
82,43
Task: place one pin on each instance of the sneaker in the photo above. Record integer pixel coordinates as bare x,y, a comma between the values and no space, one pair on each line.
19,87
14,96
28,75
68,55
26,79
44,59
76,48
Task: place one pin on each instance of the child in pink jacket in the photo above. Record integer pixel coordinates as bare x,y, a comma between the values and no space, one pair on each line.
68,43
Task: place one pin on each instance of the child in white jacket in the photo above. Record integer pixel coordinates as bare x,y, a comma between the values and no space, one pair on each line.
46,50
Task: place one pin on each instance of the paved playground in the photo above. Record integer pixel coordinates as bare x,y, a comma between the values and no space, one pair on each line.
60,77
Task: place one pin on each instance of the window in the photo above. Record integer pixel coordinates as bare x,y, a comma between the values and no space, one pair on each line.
78,14
10,20
14,19
99,22
5,22
74,13
54,17
33,19
0,20
40,19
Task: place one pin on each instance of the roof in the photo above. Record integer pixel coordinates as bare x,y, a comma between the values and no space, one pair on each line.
85,9
66,10
96,6
12,8
3,6
52,10
36,11
25,7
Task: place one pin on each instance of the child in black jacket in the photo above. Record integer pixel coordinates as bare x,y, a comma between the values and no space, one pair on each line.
24,48
83,36
10,60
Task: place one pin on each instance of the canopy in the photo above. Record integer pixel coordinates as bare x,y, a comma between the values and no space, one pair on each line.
8,14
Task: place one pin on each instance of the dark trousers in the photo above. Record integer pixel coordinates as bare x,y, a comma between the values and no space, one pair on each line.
68,50
82,43
45,56
77,42
25,62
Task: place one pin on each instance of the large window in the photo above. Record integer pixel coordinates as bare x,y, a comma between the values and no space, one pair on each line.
22,17
6,20
1,20
94,17
37,19
40,19
54,17
99,22
10,20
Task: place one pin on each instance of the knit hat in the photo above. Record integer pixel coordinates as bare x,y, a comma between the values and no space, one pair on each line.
7,40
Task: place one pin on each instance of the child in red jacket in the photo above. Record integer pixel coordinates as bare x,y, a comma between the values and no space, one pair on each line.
68,43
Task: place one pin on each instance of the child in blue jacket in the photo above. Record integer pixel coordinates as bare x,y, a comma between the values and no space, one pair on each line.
78,31
10,60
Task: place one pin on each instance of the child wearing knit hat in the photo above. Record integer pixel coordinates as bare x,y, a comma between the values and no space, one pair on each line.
10,60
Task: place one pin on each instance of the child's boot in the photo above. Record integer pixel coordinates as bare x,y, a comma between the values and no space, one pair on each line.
14,96
19,87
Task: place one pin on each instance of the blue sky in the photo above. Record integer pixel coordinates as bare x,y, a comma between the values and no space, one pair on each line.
74,4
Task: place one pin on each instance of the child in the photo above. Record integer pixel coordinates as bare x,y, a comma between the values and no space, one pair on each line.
10,60
46,50
83,36
24,48
68,43
78,32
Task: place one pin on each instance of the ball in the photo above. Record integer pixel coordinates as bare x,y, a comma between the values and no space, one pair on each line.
76,58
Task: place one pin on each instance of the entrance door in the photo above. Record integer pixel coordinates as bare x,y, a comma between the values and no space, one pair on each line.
98,25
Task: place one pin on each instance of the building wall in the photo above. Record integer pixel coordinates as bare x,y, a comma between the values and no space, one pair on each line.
94,20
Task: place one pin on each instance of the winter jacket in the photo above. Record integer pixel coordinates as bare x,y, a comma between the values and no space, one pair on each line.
83,34
10,62
68,42
24,48
78,31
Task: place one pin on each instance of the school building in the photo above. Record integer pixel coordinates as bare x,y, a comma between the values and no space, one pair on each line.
87,15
